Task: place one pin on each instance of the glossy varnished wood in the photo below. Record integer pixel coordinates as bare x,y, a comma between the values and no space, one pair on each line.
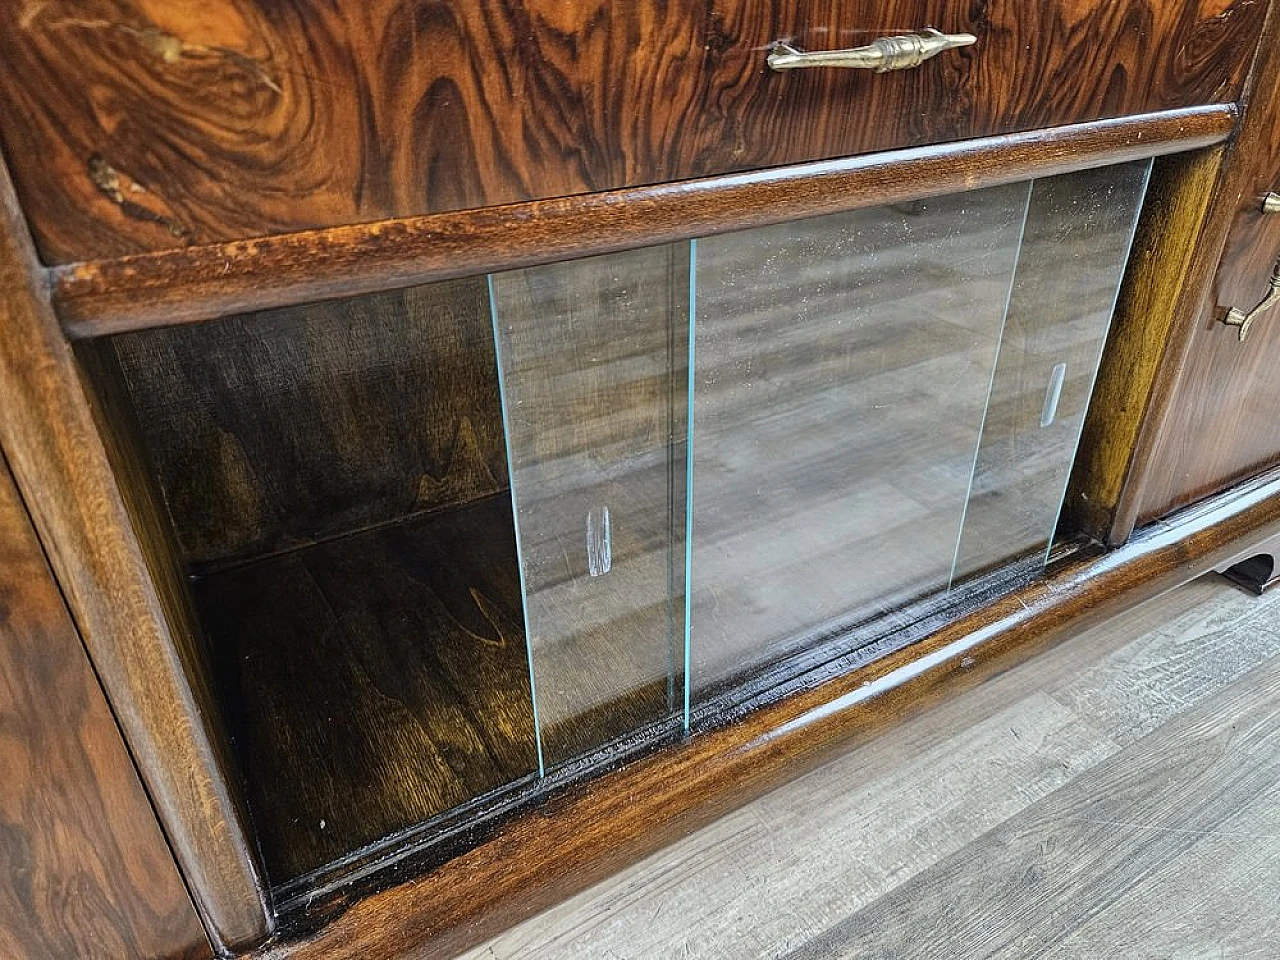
276,430
600,827
373,681
123,594
136,125
1145,430
201,282
84,868
1169,258
1222,422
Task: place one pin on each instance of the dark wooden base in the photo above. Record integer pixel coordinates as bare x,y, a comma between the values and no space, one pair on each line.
373,681
1257,574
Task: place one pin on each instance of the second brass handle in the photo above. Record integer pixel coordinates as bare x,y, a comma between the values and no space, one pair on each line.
881,55
1238,318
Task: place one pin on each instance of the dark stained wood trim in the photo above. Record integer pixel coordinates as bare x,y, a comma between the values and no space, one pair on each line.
602,826
75,815
1168,247
128,607
198,283
1167,290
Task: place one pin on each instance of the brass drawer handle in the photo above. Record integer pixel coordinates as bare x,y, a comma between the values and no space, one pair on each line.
882,55
1238,318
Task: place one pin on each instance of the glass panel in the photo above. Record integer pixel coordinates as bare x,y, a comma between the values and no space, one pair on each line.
843,365
592,358
1074,250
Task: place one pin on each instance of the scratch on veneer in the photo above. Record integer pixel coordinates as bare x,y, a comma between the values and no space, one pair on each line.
126,193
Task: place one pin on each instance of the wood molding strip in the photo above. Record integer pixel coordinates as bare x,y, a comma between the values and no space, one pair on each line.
124,609
198,283
606,824
1148,322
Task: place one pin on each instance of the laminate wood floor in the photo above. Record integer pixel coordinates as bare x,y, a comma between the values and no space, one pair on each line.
1117,797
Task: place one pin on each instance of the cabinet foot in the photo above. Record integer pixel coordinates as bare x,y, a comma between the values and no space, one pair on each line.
1257,572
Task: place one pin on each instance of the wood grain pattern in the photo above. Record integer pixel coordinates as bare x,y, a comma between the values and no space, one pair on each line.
275,430
596,829
84,868
1168,299
127,600
1027,887
373,681
202,282
1168,262
137,125
1222,421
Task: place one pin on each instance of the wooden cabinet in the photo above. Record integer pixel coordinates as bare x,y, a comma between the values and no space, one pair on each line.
479,441
446,541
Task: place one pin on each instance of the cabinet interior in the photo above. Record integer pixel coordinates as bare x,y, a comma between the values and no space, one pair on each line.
336,479
442,540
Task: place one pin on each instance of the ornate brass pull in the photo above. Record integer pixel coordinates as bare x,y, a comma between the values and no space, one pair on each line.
1238,318
882,55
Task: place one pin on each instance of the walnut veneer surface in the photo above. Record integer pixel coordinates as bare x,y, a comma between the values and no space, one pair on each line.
137,125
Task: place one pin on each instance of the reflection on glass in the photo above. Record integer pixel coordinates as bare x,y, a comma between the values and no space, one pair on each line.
592,360
880,405
843,365
1074,250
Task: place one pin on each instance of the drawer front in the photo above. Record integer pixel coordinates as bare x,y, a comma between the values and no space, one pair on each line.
138,125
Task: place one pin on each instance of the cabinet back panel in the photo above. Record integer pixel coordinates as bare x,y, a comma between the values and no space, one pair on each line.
279,429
